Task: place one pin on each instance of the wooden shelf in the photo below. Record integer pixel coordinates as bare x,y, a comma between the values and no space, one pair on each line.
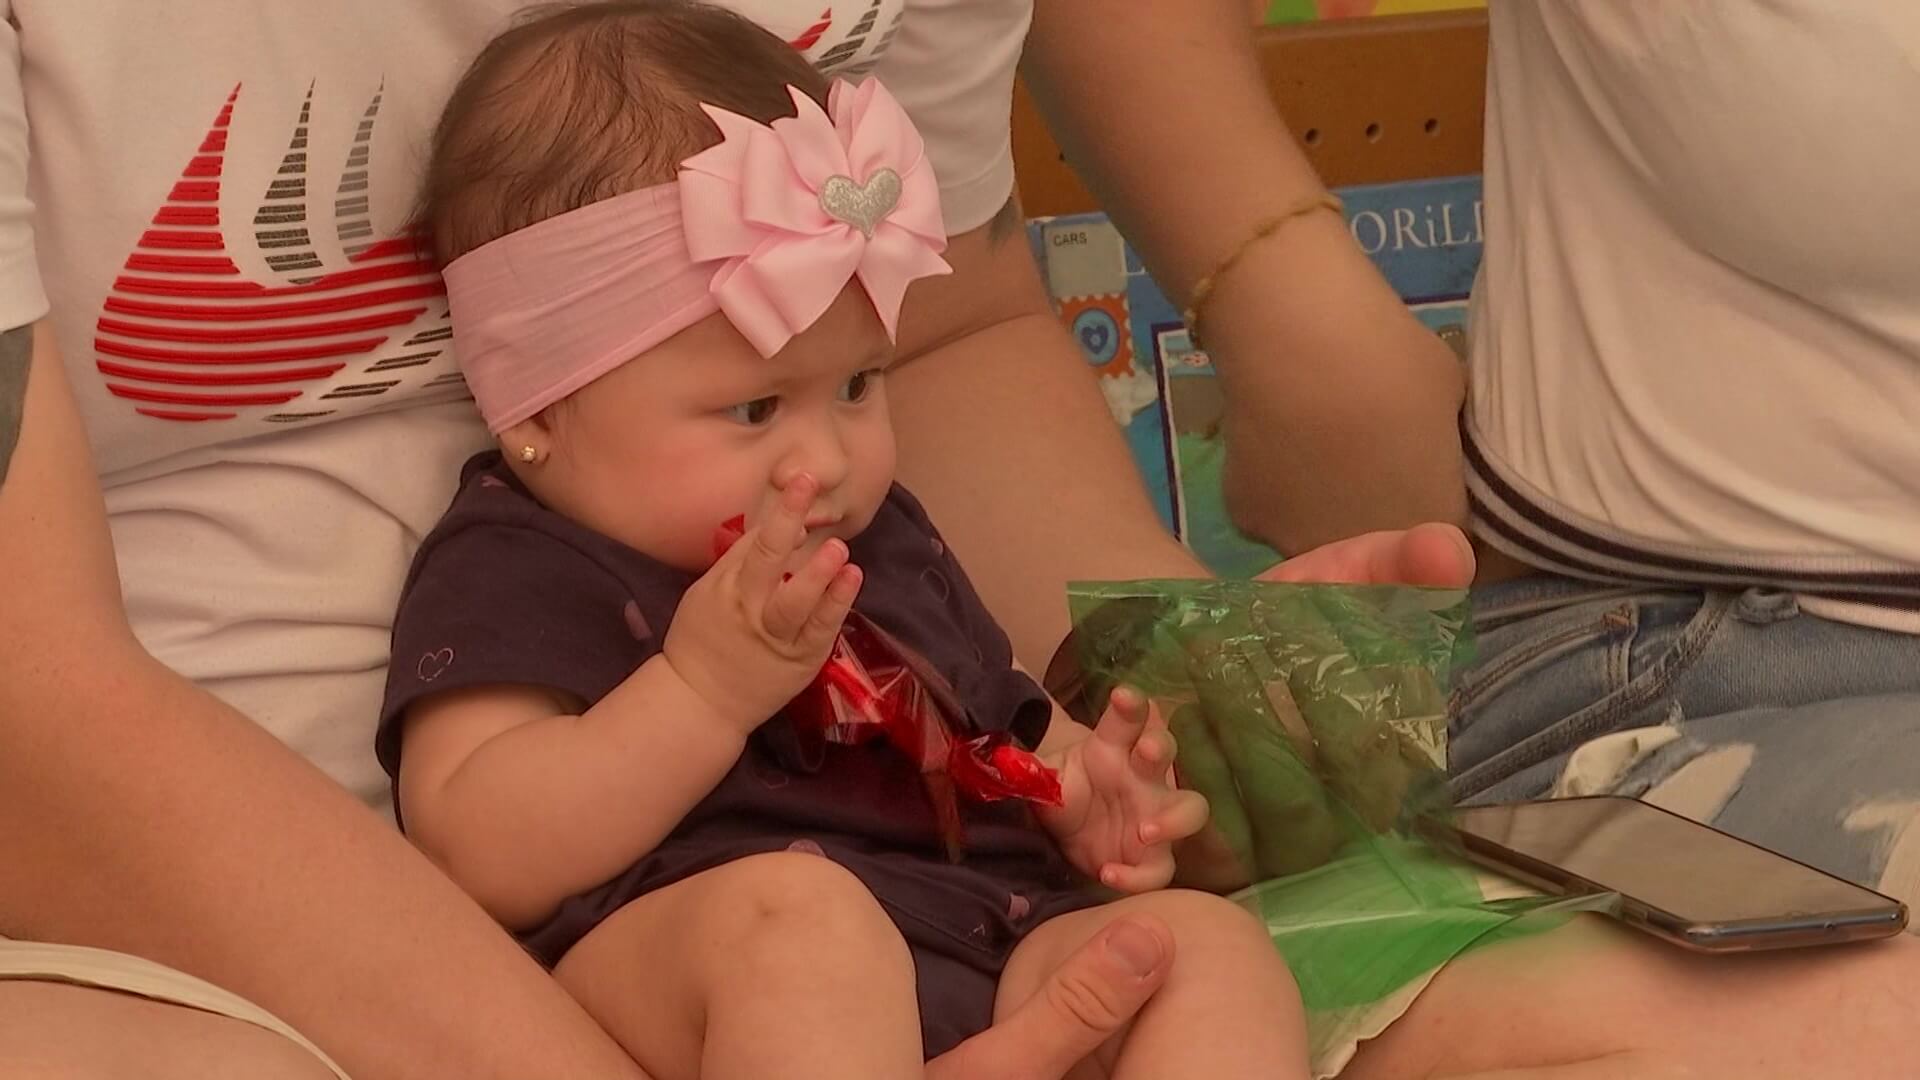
1370,100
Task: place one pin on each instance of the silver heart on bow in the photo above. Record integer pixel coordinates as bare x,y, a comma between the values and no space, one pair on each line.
862,206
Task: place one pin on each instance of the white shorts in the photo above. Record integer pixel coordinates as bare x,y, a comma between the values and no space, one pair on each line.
107,970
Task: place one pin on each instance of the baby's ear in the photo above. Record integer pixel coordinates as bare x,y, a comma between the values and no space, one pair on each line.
528,442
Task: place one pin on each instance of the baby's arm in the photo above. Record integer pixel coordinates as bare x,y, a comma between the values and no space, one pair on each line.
525,799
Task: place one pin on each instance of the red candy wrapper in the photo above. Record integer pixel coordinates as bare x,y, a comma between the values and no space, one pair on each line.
873,687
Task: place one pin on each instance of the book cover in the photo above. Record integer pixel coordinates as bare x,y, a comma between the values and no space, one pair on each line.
1297,11
1425,236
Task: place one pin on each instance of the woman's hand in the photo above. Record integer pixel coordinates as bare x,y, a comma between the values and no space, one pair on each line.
1082,1006
1433,554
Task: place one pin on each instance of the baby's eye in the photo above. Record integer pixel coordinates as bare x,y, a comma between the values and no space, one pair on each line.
858,387
754,413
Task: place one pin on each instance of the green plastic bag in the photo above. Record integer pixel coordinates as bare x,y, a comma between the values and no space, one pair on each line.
1314,720
1304,713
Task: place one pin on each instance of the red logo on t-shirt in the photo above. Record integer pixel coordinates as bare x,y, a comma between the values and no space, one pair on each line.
845,38
811,35
183,336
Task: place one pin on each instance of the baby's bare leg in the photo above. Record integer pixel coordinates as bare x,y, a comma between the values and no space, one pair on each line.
777,965
1594,1000
1229,1009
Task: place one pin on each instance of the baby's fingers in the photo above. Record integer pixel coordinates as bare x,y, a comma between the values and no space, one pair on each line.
1154,750
793,601
824,622
1126,719
1181,814
772,541
1154,871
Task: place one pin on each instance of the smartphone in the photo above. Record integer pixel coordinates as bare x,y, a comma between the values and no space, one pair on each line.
1677,879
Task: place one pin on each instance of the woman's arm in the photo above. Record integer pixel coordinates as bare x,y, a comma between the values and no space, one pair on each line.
1341,407
139,813
525,800
1005,438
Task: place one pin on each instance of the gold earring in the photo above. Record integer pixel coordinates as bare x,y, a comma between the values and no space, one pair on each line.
529,454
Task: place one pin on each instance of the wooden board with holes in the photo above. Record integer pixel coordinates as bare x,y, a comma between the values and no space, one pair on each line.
1371,100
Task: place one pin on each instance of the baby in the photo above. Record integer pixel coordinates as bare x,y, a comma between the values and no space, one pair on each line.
676,259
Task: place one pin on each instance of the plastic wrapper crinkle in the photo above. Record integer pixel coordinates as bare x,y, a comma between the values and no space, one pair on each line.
1314,720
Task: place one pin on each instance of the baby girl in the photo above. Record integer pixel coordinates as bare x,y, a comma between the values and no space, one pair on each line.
676,258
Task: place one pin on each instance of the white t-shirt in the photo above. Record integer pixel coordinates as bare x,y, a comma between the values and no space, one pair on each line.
215,190
1696,336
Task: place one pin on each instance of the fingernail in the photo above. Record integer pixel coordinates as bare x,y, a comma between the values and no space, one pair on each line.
1137,950
1149,833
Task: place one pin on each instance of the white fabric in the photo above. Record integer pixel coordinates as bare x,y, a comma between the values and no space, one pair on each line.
1697,330
21,298
78,965
261,553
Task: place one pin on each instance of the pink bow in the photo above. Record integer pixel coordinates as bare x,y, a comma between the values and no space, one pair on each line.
795,210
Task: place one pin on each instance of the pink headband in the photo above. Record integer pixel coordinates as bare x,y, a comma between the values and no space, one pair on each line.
766,227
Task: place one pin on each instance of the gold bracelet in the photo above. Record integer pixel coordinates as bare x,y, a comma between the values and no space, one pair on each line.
1203,288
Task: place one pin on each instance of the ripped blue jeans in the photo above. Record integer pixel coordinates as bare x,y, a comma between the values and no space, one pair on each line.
1794,731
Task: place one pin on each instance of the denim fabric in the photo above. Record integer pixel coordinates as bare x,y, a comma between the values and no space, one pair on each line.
1794,731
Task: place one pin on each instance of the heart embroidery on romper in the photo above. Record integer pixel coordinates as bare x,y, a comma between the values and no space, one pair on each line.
434,664
863,206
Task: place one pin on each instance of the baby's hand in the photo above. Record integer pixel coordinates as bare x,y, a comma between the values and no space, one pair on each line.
1120,815
746,637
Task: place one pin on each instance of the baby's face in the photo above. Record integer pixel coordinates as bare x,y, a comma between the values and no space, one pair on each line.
659,452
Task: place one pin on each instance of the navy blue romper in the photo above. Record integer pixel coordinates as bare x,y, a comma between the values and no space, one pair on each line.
506,591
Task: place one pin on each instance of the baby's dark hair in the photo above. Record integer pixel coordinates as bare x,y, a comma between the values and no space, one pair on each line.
584,101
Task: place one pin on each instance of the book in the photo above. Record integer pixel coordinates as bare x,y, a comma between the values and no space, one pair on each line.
1297,11
1424,235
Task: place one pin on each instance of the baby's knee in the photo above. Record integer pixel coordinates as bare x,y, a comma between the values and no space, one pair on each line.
806,902
1203,919
1215,938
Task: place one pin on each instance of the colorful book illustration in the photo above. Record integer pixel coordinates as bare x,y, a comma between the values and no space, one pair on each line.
1425,236
1298,11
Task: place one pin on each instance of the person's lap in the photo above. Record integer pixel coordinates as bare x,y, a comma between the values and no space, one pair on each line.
77,1013
1794,731
1789,729
783,957
1228,986
1573,1004
1594,1001
1738,709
